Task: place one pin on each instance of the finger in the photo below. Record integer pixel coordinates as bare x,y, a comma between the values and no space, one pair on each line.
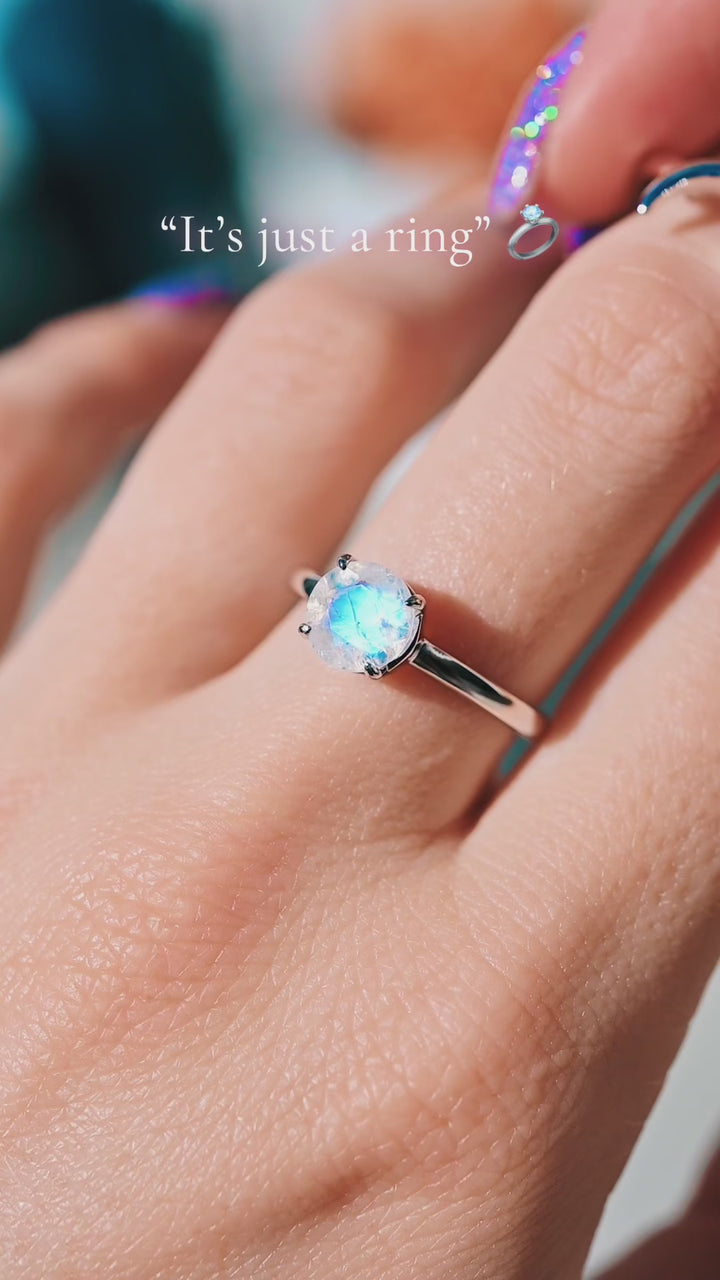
600,865
689,1247
521,524
262,462
646,94
70,398
707,1199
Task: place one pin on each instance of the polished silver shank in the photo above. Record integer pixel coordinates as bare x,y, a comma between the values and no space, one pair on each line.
518,715
521,717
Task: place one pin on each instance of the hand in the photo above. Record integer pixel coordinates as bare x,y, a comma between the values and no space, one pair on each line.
281,996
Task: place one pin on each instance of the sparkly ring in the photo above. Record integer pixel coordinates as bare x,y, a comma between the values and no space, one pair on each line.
360,617
673,181
533,216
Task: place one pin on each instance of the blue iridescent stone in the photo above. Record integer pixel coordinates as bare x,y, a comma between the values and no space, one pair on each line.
532,213
360,617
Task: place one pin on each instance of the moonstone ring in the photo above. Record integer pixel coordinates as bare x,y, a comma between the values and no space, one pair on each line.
361,617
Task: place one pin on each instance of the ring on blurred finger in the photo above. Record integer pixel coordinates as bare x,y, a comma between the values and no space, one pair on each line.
363,618
675,181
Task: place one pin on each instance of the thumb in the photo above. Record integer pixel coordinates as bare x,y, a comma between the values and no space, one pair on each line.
647,94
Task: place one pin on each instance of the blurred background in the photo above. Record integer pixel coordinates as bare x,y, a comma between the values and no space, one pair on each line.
114,113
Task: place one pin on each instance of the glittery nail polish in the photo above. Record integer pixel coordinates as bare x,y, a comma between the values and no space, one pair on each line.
576,237
185,290
520,156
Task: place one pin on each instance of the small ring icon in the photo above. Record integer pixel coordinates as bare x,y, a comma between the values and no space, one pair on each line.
533,216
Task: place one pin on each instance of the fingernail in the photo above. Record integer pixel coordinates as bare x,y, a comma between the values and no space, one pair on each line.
576,237
187,290
517,167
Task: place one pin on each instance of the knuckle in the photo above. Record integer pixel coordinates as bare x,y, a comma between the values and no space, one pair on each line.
634,357
298,324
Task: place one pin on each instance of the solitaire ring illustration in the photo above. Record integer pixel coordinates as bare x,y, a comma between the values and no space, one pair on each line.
361,617
532,216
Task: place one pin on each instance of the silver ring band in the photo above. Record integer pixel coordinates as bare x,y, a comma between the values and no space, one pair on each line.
381,629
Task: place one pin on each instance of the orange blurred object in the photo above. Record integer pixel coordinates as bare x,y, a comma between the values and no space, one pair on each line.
431,75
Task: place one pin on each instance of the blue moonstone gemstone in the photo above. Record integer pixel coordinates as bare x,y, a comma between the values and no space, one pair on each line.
532,213
360,616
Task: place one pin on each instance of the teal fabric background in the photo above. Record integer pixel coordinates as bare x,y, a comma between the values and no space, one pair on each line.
112,114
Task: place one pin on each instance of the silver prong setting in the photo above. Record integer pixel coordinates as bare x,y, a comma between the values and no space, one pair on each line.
371,621
361,617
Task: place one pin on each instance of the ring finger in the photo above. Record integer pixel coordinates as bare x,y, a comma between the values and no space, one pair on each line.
529,511
313,386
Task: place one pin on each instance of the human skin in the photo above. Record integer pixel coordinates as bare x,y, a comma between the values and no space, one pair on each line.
289,987
406,75
646,98
280,995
